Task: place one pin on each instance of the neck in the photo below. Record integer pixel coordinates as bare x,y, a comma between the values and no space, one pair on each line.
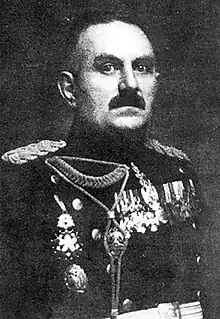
91,143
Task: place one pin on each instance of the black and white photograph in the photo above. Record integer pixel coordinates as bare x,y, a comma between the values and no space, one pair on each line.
110,159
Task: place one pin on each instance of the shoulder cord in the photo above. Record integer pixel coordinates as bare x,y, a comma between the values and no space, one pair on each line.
116,250
87,180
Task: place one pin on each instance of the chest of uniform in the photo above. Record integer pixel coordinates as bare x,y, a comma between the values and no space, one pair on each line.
143,208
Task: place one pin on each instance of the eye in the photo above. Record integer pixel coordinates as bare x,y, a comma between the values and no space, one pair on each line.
140,68
144,68
107,68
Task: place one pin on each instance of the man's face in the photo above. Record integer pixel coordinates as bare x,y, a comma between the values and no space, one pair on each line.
117,78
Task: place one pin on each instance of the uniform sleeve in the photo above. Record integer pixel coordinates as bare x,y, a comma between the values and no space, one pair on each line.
209,266
209,280
20,292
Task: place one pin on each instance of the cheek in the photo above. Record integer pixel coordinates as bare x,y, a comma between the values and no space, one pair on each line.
148,86
96,93
99,85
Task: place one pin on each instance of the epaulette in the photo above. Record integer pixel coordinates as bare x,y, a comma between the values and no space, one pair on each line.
166,150
32,151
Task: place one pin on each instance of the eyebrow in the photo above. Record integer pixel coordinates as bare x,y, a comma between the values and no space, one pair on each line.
107,58
146,58
111,58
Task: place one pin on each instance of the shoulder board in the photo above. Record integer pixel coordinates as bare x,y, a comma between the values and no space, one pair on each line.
166,150
32,151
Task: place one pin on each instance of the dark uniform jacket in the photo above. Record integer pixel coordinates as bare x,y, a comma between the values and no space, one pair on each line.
57,253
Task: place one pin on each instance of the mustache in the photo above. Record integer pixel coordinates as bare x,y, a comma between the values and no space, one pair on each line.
127,97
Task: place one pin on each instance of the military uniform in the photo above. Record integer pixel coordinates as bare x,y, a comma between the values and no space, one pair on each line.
92,239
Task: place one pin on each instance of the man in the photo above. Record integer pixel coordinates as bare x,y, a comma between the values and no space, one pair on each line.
109,226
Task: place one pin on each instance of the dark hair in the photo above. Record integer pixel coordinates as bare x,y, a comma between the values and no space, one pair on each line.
72,26
74,21
88,19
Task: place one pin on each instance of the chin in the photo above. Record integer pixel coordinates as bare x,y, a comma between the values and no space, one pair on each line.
129,123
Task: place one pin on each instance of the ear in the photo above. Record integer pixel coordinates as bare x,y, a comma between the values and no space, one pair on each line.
67,87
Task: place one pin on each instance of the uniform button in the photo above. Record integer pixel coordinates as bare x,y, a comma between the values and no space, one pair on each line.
127,303
54,179
96,234
108,268
198,259
194,225
77,204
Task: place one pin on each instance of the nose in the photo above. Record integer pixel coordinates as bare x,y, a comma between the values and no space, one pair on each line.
128,80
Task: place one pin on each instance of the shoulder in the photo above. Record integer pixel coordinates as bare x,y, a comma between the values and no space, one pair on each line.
170,162
171,165
25,154
169,151
176,176
23,172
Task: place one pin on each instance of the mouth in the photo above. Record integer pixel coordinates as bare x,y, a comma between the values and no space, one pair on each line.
126,110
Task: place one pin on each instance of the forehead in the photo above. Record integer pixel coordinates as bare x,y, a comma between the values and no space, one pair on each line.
114,38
